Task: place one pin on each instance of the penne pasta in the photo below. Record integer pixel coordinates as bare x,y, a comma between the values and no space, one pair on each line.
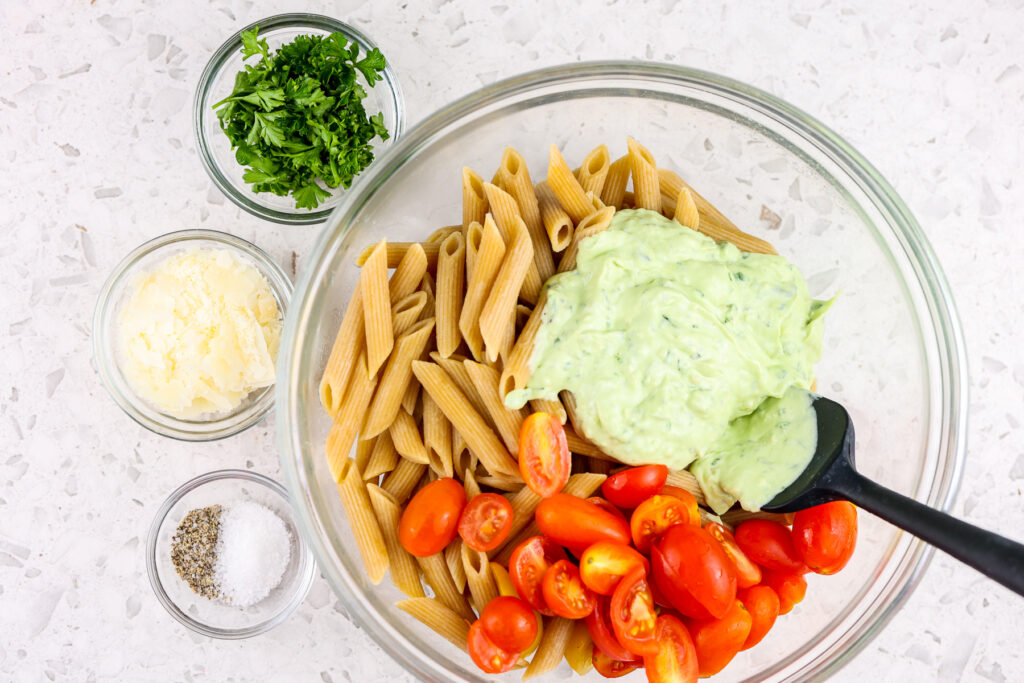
569,403
598,465
457,371
437,438
402,480
463,459
383,457
684,480
594,223
346,424
516,371
365,527
507,422
451,270
469,484
441,234
348,344
453,558
474,200
394,381
594,170
489,257
439,618
686,212
407,439
500,483
397,251
501,302
408,274
551,649
474,237
646,186
439,578
364,449
505,212
583,446
557,223
406,312
373,289
503,581
579,649
412,393
514,177
553,408
481,583
456,407
405,573
566,188
614,191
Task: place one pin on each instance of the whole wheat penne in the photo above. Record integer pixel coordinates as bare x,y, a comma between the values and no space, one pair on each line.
646,186
490,255
457,371
474,237
516,372
394,381
474,200
503,581
441,234
569,403
397,251
412,394
514,178
462,458
439,578
405,573
523,313
469,484
364,449
481,583
505,211
501,301
437,438
553,408
373,289
598,465
402,480
500,483
348,344
346,424
508,423
594,170
685,480
579,649
557,224
551,649
614,191
383,458
429,285
408,274
439,618
686,212
365,527
567,189
583,446
406,436
584,484
453,558
593,224
406,312
456,407
451,269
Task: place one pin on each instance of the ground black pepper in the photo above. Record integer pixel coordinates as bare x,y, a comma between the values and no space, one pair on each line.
194,549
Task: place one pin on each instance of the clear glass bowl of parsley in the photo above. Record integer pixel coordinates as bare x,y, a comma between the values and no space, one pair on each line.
290,110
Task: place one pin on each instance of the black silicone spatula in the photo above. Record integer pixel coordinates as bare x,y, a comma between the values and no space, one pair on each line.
831,475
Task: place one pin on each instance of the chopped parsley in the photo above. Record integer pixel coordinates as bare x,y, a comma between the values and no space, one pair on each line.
296,119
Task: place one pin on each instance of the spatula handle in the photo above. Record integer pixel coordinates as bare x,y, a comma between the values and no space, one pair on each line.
997,557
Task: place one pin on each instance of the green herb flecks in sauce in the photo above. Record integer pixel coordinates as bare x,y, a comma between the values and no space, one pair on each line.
666,337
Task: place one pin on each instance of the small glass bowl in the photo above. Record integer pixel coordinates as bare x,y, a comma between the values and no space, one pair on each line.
115,293
211,617
216,83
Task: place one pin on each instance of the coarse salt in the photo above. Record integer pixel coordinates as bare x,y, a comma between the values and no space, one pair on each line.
253,551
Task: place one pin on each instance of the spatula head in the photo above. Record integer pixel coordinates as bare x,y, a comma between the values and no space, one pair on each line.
833,458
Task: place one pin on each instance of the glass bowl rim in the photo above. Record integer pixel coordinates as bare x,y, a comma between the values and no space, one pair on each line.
103,346
303,585
941,309
217,62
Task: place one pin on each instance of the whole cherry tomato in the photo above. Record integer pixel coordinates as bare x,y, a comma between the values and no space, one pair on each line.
747,573
544,459
486,521
632,486
613,668
790,587
769,544
576,524
526,567
603,565
509,622
607,507
486,655
763,604
431,519
565,593
601,632
719,640
632,614
693,561
656,514
824,536
675,659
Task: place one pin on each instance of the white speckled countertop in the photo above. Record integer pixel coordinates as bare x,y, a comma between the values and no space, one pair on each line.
96,156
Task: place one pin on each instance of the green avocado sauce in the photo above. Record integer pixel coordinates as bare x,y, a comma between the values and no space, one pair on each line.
674,346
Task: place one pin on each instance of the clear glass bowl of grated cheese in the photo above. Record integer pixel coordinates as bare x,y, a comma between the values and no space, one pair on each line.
113,365
215,617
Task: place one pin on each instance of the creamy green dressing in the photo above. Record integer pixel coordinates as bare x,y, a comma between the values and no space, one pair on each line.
666,337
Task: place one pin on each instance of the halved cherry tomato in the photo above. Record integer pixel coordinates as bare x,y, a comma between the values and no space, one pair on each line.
632,614
763,604
675,659
790,587
656,514
486,521
601,632
510,623
632,486
670,586
607,507
603,565
577,524
564,591
610,667
701,567
526,567
719,640
544,459
770,544
824,536
431,519
747,573
488,656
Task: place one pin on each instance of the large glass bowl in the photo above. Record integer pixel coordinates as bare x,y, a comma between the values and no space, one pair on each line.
893,346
